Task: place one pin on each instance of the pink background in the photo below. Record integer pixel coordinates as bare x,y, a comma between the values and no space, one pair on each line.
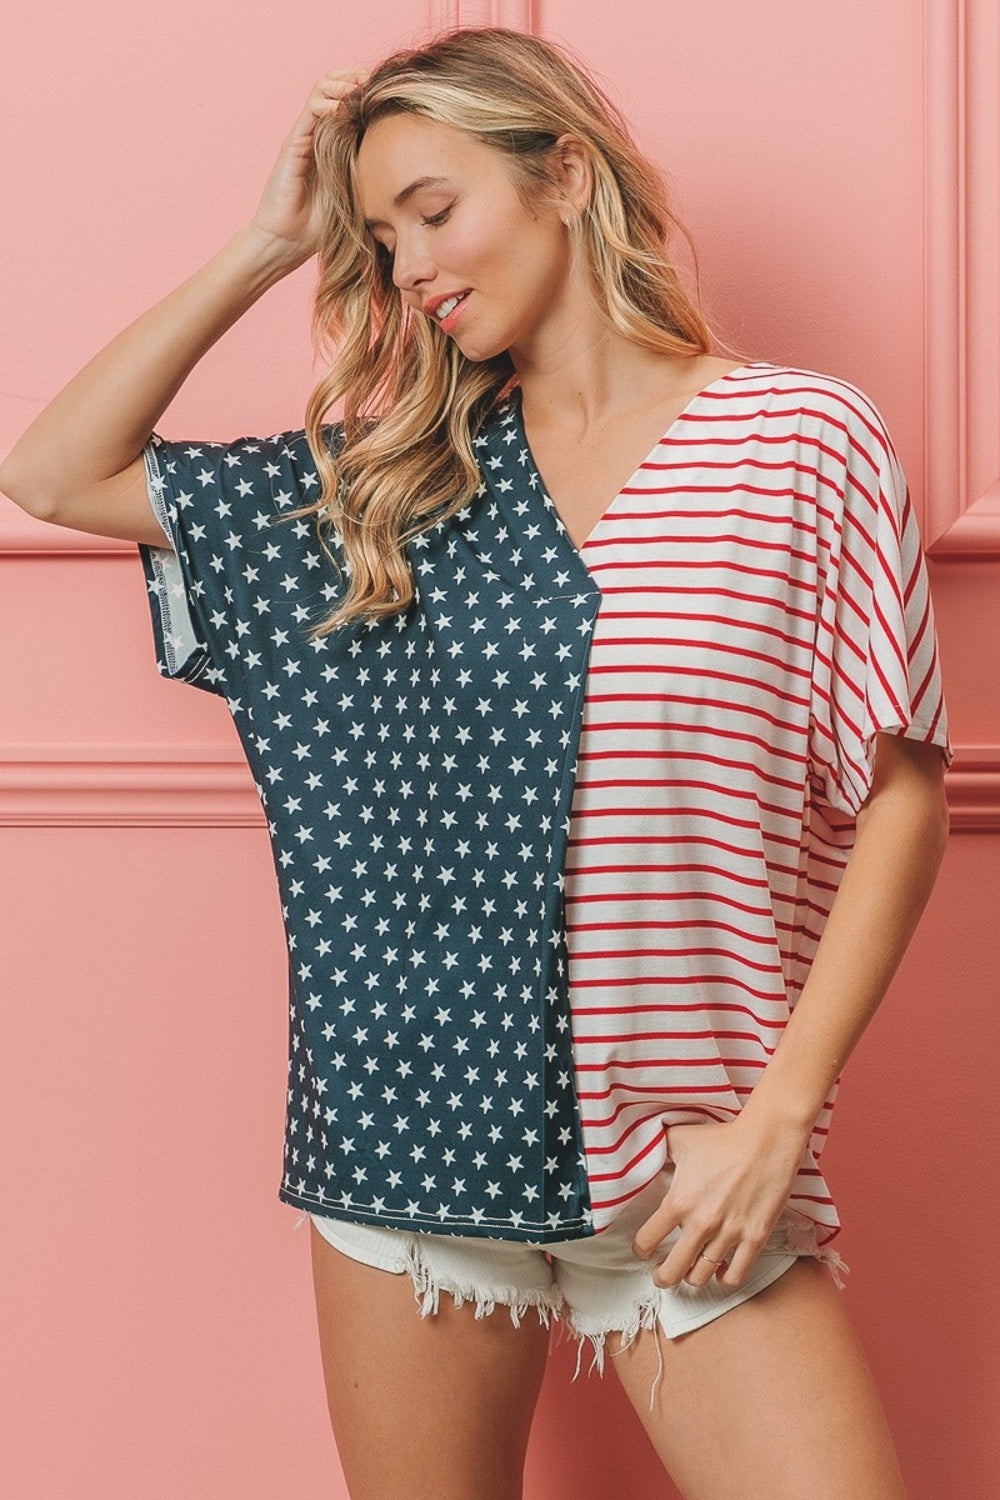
158,1327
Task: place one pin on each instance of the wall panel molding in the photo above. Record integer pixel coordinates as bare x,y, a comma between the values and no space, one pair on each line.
120,786
210,786
973,787
519,15
962,277
22,535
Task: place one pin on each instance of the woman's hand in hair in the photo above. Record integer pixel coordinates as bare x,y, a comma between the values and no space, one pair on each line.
288,216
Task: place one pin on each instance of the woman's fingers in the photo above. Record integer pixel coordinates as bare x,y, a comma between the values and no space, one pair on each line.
326,95
331,88
679,1260
699,1255
726,1193
702,1251
708,1264
654,1231
288,212
684,1261
742,1260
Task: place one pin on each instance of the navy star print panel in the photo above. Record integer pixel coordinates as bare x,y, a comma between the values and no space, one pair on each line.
416,776
556,846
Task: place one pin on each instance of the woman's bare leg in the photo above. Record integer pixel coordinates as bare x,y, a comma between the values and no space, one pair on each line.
435,1408
771,1401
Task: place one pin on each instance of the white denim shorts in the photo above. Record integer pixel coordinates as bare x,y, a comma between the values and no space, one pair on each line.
594,1286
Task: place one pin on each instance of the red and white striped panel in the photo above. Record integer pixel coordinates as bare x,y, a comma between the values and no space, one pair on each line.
765,612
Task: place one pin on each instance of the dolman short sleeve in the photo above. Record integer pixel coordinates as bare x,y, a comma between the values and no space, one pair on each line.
219,504
876,665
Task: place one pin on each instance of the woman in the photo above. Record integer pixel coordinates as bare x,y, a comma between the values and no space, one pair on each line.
562,774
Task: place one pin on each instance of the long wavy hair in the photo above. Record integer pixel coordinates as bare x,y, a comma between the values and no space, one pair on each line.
413,402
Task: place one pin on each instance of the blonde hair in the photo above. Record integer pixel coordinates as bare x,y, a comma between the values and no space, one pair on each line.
413,402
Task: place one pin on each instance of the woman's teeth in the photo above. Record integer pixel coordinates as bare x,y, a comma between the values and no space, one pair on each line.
449,306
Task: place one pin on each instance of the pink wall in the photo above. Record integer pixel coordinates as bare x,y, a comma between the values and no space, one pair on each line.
158,1330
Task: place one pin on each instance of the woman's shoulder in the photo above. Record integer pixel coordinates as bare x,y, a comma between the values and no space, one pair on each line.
813,393
292,440
295,441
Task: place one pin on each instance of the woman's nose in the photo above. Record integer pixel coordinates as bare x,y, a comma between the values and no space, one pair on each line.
411,267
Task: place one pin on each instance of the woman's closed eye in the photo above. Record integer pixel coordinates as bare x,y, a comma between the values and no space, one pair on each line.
433,222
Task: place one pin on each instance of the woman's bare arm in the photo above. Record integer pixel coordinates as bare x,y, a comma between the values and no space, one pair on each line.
79,464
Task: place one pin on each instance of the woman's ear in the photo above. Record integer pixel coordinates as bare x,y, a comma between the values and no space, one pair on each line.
573,172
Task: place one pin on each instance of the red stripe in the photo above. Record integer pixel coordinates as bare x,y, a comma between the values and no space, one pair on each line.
917,633
704,924
681,869
597,1122
704,729
612,1148
786,725
847,395
616,642
688,564
703,758
811,1198
667,812
690,617
624,982
683,591
679,539
799,438
613,840
579,956
681,511
602,1038
588,898
699,1006
622,1198
665,670
629,1166
656,1089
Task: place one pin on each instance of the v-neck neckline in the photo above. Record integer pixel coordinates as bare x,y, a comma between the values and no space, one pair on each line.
538,481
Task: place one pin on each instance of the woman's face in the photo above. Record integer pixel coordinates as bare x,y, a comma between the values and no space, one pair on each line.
467,232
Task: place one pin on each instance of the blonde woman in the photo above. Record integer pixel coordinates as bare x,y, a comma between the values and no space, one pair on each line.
571,665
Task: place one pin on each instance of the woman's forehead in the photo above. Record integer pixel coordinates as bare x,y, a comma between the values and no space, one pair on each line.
401,153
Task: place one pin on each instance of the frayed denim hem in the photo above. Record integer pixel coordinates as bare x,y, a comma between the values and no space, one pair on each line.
798,1237
427,1290
645,1316
835,1264
646,1312
650,1308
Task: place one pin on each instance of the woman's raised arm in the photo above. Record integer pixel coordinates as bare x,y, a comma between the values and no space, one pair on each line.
80,464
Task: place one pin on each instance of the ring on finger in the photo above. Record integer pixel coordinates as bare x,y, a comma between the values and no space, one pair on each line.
711,1262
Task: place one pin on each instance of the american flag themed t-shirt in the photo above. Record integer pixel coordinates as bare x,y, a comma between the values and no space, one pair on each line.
556,845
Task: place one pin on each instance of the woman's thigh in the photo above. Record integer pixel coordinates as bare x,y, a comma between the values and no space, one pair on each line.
435,1408
771,1401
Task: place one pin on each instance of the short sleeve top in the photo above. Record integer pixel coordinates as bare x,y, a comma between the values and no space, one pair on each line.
430,790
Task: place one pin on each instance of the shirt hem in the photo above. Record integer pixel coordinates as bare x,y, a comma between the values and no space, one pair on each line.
482,1226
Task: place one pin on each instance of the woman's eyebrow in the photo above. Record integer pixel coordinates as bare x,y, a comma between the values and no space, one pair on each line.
401,198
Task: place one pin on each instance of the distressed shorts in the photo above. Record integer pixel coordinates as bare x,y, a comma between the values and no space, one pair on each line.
594,1286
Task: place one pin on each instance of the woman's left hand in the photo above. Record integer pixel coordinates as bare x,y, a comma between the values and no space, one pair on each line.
730,1184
